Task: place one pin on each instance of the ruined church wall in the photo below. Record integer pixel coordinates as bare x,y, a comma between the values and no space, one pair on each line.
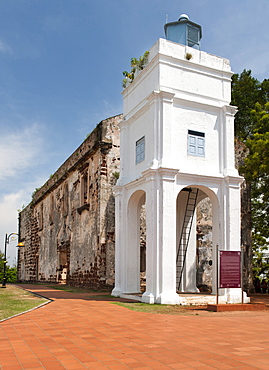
68,229
27,255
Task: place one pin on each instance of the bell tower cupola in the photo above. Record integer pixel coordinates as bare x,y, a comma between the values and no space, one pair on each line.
184,32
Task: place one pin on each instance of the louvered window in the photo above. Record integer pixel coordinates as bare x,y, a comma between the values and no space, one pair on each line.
140,150
196,143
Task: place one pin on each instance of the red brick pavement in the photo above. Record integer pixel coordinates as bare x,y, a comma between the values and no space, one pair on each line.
74,333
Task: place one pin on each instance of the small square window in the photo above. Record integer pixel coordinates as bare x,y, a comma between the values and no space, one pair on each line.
140,150
196,143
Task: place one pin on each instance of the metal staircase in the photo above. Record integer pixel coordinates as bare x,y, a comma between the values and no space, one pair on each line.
185,233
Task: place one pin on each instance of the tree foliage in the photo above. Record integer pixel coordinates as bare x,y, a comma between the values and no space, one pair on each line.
11,272
252,127
247,91
256,170
245,94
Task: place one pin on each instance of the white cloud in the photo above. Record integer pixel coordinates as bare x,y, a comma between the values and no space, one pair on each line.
21,154
19,150
9,204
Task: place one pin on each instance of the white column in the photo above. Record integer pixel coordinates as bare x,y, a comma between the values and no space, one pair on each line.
228,141
119,243
152,240
167,238
124,153
231,230
231,213
167,155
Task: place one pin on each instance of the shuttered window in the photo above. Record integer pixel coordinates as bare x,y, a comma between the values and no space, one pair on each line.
196,143
140,150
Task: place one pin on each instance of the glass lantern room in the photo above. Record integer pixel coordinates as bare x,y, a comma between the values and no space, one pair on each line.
184,32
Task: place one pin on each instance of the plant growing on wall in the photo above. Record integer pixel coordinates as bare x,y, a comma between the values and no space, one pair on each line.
188,56
136,65
35,191
116,175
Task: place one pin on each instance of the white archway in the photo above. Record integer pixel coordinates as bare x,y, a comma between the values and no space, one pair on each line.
136,200
186,235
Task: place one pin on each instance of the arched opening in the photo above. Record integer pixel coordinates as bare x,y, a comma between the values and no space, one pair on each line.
136,249
197,233
204,246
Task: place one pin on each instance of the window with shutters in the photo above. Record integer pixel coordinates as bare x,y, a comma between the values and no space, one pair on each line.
140,150
196,143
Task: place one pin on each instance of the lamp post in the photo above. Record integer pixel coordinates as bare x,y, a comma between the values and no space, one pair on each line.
5,261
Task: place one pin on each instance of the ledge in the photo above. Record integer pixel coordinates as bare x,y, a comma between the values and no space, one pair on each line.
84,207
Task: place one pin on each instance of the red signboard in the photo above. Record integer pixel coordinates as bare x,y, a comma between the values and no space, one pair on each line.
230,269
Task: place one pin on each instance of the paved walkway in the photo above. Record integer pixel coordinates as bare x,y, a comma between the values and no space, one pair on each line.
75,333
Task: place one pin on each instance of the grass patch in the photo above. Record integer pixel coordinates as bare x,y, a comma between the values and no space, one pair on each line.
71,289
167,309
101,297
66,288
157,308
14,301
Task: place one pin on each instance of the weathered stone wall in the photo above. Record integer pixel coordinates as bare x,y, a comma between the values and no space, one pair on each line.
28,234
204,245
68,229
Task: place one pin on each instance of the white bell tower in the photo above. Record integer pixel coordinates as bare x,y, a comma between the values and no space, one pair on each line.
177,144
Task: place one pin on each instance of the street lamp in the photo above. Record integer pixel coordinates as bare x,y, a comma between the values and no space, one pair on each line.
20,244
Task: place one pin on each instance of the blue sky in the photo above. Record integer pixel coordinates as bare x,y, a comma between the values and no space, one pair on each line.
61,64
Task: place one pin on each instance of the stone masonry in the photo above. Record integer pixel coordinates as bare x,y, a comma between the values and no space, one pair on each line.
68,228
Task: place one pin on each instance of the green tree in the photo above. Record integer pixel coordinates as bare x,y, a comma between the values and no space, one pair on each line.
256,171
246,92
252,127
264,91
11,272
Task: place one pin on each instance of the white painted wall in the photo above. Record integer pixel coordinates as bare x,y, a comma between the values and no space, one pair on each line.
170,96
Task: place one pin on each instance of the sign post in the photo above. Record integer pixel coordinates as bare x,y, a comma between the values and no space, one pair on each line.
217,266
242,263
229,267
